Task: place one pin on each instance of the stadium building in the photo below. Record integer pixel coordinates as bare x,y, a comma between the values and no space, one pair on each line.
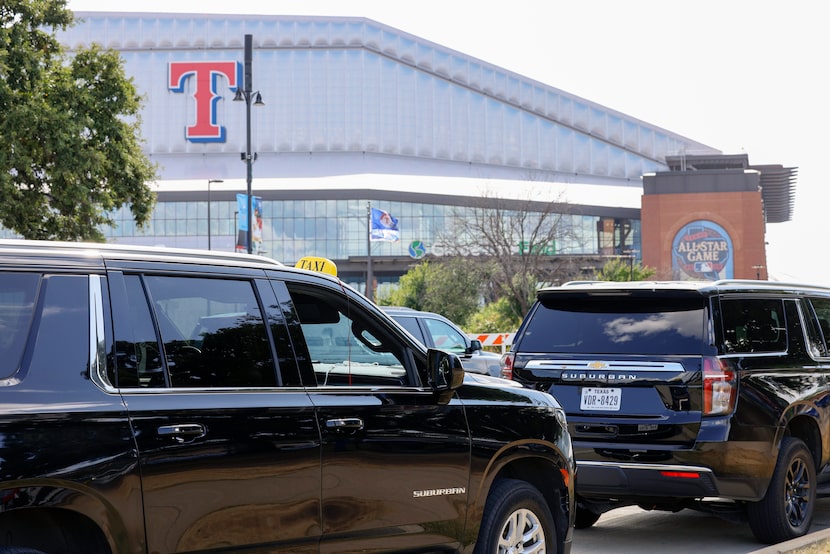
343,114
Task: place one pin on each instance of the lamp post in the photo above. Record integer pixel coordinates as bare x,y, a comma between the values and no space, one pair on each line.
210,181
631,252
246,94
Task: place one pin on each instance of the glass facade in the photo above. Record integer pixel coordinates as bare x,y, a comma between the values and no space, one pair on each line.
337,229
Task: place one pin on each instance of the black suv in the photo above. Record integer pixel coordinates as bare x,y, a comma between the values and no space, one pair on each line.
436,331
679,393
177,401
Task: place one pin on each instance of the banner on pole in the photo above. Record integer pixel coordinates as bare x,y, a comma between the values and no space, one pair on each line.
383,226
242,224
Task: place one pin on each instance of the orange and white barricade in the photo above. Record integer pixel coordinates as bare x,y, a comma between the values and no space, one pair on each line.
502,340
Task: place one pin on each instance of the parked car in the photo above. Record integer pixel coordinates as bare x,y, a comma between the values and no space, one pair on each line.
158,400
679,393
436,331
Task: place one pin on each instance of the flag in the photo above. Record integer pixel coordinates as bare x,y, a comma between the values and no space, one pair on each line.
384,226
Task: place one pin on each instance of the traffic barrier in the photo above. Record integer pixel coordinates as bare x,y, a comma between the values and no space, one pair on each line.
495,339
502,340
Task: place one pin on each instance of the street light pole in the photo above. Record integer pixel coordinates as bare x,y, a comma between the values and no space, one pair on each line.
631,253
246,94
210,181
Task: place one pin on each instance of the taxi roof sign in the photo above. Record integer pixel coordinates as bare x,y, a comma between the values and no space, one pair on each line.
320,265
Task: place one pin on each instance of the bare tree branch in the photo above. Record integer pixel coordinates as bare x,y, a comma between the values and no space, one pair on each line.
514,239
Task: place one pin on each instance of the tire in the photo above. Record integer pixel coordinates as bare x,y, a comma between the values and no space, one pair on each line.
516,515
585,518
786,511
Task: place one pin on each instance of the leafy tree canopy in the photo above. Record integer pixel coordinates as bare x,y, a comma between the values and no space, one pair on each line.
495,317
624,270
69,130
449,287
411,290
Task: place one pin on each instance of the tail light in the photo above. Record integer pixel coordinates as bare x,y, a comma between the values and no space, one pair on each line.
720,387
507,365
681,474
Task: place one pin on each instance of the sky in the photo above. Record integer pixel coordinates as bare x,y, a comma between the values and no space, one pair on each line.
741,76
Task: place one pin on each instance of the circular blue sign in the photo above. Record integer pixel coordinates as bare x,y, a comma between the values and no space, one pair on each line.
702,250
417,250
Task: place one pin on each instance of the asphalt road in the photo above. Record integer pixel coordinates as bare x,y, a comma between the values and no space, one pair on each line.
635,531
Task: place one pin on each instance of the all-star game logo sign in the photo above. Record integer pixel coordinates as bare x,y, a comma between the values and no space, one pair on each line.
702,250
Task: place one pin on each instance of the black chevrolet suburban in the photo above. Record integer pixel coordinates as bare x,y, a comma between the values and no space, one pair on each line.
157,400
709,395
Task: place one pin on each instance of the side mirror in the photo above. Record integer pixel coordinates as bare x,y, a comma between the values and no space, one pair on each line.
475,346
445,373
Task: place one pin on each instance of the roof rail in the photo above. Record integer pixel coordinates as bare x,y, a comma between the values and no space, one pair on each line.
129,249
768,284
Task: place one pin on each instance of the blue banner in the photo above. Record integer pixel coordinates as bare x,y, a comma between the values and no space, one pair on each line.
384,226
242,223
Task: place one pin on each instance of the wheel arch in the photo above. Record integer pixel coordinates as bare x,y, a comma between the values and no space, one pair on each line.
56,518
805,427
52,529
542,465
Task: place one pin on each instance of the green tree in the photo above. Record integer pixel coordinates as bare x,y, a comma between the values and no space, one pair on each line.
620,269
69,131
495,317
450,287
411,290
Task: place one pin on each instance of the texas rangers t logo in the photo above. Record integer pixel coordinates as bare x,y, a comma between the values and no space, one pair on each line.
205,94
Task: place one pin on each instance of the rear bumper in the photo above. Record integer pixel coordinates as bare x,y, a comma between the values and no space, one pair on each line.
736,470
615,479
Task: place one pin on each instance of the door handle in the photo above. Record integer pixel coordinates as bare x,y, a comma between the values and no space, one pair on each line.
182,431
344,424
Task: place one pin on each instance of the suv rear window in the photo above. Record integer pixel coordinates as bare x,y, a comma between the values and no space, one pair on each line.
626,325
17,302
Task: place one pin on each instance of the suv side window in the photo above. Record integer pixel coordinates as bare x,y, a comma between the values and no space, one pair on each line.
346,346
17,303
753,325
211,331
819,337
139,357
411,325
62,328
445,337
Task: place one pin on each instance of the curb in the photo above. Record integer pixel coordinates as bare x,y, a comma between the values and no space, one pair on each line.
795,546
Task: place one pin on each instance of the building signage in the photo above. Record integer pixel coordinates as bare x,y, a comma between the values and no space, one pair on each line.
523,248
539,249
206,76
417,249
702,250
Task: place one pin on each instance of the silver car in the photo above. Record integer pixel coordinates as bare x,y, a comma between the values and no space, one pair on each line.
436,331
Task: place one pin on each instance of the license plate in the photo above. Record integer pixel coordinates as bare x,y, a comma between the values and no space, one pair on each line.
607,399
